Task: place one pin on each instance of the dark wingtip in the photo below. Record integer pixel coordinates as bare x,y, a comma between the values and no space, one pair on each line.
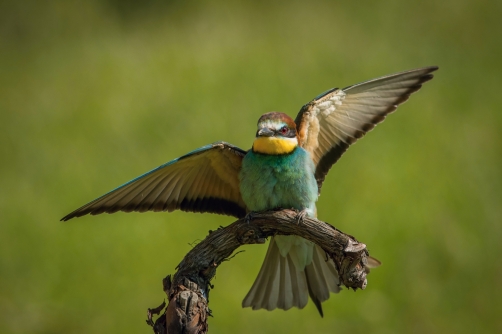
68,217
78,213
428,75
428,69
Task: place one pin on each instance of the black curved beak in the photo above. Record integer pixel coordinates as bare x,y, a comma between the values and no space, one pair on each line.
265,132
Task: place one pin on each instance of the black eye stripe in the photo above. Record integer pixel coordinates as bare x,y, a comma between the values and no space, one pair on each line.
290,133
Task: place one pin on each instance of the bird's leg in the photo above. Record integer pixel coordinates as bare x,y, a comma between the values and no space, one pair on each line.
301,216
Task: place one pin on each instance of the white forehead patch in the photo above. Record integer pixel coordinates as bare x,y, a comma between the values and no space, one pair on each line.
270,124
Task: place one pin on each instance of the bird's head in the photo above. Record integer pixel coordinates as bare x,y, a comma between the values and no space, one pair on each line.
276,134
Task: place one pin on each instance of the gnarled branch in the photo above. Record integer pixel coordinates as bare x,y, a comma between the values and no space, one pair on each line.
188,290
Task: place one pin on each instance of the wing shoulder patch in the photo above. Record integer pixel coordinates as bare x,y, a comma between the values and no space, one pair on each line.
311,114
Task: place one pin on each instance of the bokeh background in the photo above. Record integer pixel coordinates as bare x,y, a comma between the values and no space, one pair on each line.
94,93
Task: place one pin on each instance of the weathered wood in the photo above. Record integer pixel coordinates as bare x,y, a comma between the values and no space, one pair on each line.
188,290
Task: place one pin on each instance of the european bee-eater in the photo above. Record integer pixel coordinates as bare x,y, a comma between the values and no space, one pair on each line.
285,168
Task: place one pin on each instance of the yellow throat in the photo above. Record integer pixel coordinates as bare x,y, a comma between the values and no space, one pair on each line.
274,145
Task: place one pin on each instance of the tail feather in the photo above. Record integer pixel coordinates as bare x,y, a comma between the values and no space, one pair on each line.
270,296
286,297
267,282
280,284
322,278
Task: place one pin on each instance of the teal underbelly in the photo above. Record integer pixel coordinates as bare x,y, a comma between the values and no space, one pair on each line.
278,181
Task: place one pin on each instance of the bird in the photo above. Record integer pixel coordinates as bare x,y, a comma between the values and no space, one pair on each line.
285,168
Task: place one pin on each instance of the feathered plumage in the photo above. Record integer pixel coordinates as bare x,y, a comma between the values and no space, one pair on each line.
334,120
285,168
204,180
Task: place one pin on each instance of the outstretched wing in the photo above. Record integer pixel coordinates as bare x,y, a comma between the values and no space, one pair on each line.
204,180
332,121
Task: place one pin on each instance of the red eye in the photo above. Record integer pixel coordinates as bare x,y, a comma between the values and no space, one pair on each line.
284,130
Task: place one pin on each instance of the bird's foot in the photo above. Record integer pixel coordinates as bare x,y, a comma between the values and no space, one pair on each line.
301,216
249,216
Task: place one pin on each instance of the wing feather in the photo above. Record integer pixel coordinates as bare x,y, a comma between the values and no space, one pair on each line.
203,186
148,202
130,201
334,120
188,183
164,196
205,180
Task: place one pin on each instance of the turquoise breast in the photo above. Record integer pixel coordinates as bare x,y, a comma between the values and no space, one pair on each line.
279,181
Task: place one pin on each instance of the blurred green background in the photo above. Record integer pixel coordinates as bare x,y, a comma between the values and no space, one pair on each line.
94,93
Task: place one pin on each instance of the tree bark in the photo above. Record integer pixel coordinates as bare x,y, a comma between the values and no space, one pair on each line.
188,290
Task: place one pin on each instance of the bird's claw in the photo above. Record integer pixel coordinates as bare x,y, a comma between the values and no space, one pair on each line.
249,217
301,216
